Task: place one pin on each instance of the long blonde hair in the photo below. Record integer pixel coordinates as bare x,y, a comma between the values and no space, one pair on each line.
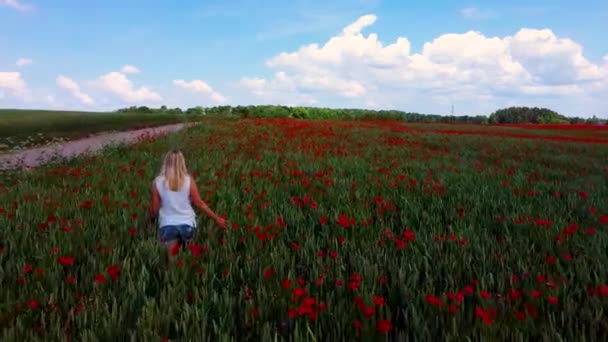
174,170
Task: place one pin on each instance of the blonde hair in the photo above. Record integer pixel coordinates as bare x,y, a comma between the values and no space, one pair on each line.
174,170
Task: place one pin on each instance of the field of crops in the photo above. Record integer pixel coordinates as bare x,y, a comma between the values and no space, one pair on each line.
21,129
338,230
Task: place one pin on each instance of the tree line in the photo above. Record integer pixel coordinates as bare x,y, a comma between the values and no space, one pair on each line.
511,115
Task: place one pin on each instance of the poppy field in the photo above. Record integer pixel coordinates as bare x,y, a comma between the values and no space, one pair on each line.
337,230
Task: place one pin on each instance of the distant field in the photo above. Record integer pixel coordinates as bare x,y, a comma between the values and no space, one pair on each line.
26,128
582,133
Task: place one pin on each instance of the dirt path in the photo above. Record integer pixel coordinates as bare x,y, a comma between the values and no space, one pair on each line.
36,156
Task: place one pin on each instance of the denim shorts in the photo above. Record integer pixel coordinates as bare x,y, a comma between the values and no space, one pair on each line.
182,233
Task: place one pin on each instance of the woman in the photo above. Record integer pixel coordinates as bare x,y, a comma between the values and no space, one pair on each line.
173,193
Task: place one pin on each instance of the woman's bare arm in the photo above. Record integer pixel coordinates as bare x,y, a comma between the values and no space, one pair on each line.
196,199
155,206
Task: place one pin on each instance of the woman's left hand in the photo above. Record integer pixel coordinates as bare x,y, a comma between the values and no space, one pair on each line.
221,222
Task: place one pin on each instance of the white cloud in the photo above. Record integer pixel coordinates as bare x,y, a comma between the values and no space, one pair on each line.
361,23
13,84
476,13
119,84
279,90
256,85
552,60
461,67
17,5
200,87
74,89
23,62
129,69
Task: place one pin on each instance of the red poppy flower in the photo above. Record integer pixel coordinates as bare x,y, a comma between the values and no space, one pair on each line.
309,301
293,313
486,315
66,260
344,221
515,294
196,249
399,244
281,222
384,326
100,278
300,292
453,308
174,249
409,235
468,289
113,271
433,300
378,300
531,310
369,311
268,273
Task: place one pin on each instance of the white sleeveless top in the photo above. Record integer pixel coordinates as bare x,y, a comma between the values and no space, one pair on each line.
175,207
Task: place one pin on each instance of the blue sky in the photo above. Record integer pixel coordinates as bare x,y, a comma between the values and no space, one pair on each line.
478,56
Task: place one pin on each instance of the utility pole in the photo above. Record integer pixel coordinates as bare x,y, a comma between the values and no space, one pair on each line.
452,109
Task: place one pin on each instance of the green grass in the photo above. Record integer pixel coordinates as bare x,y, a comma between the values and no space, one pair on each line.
27,128
508,235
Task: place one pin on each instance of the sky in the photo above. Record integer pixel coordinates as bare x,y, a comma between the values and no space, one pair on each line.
422,56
